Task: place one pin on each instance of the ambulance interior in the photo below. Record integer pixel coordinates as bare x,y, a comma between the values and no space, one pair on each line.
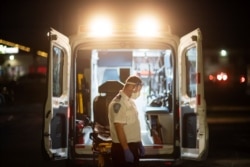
102,73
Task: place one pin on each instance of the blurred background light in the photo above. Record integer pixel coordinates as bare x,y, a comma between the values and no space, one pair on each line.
11,57
223,53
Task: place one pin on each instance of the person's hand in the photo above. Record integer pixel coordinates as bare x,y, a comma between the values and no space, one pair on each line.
129,157
141,149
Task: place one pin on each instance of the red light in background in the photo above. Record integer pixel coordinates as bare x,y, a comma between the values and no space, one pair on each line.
219,77
168,163
42,70
211,77
222,76
242,79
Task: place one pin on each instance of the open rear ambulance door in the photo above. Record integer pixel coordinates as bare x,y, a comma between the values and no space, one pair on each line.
56,110
193,124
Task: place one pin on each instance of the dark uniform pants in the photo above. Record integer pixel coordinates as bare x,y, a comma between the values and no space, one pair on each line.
118,157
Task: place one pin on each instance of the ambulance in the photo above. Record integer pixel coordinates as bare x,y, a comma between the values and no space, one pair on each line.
87,69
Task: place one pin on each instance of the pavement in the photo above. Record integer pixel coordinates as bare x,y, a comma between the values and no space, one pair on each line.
11,112
8,112
228,114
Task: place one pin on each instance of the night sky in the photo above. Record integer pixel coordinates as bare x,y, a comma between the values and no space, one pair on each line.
224,23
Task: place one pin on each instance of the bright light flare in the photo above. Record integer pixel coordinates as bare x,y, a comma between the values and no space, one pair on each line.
242,79
223,53
222,77
11,57
101,27
147,26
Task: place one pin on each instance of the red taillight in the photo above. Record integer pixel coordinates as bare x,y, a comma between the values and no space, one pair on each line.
168,163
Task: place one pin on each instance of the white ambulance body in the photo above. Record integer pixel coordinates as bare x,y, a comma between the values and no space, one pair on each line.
89,67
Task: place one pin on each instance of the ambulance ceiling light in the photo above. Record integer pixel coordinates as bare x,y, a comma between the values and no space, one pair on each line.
147,26
101,27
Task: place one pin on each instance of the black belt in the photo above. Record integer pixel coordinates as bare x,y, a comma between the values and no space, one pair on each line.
131,143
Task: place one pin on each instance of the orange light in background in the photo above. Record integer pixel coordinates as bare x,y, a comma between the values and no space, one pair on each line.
12,44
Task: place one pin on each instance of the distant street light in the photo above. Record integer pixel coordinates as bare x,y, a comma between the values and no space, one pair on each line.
11,57
223,53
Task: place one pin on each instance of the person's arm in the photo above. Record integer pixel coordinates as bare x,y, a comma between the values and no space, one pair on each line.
121,135
128,155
